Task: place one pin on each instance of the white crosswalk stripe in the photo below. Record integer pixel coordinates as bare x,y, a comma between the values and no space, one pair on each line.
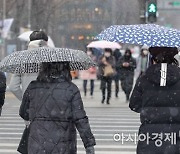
105,123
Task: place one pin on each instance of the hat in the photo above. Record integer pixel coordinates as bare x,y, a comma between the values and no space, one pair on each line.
166,51
38,35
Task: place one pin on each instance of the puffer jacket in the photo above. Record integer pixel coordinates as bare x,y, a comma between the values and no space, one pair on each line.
54,117
125,72
159,108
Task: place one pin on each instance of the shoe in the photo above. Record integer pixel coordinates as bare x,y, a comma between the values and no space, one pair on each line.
103,101
116,95
107,102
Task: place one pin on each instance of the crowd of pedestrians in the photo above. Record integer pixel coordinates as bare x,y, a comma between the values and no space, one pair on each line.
112,65
52,107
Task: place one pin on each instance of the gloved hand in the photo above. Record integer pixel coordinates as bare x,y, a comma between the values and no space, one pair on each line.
90,150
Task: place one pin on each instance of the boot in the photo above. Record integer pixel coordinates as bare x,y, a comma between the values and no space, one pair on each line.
103,95
103,99
116,95
108,101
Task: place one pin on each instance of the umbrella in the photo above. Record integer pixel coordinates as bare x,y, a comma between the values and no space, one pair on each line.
25,37
104,44
142,34
28,61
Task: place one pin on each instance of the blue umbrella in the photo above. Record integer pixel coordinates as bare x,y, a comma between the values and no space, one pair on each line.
142,34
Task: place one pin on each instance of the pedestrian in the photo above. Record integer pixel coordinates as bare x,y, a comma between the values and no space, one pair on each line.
126,67
19,82
2,90
117,55
156,97
89,74
106,74
53,105
142,61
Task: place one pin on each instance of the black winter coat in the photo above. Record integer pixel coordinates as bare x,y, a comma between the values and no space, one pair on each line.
159,109
125,72
54,121
2,88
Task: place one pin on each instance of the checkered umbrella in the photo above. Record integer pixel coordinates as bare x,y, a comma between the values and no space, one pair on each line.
28,61
142,34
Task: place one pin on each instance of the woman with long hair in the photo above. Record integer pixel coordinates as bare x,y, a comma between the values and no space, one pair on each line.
54,107
156,97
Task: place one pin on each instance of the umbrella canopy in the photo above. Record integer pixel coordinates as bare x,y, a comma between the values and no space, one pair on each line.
104,44
142,34
28,61
25,37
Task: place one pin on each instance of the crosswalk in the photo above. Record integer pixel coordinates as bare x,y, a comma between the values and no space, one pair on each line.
115,129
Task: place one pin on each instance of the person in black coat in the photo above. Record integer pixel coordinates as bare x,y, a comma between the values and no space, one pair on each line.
156,97
126,66
106,74
54,107
2,90
117,55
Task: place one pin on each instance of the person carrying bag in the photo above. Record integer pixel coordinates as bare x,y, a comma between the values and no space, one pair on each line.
106,73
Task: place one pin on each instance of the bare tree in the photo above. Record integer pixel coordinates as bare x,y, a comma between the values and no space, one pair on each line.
127,12
44,12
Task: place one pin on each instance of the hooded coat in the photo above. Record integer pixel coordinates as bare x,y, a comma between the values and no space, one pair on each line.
159,108
126,74
54,116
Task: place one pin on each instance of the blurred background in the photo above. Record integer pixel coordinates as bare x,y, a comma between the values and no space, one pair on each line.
75,23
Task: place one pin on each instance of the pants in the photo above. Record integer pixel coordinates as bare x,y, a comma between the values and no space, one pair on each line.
91,86
127,84
116,86
106,83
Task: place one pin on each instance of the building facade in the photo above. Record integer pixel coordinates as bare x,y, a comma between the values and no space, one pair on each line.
81,20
